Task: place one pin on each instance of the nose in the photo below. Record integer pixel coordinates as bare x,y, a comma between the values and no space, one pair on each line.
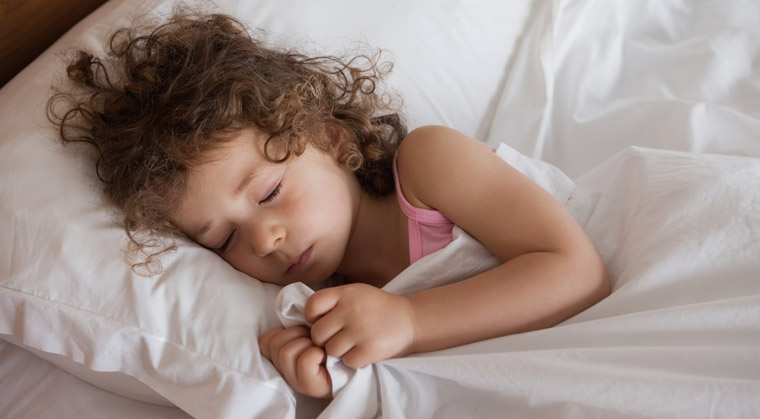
266,236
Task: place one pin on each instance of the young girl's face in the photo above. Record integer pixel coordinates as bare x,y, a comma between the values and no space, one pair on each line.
277,222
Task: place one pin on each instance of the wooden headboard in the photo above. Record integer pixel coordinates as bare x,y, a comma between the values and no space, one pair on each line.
28,27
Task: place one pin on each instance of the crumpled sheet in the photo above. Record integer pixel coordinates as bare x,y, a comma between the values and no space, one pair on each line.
678,337
591,77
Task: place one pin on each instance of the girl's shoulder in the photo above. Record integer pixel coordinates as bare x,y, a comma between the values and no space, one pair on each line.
427,139
427,145
430,157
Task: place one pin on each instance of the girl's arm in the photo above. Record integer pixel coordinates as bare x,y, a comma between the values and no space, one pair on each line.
550,270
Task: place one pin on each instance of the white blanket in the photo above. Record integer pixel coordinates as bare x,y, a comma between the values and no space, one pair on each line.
678,337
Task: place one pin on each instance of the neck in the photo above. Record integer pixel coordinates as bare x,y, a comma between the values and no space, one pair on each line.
378,249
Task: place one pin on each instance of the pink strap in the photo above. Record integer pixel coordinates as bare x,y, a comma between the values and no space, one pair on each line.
415,216
413,213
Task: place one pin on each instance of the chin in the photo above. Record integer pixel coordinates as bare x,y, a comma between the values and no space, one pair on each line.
317,276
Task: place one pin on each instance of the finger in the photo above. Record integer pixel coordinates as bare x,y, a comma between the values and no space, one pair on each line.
320,303
357,357
264,341
326,327
282,337
287,358
340,344
314,356
313,374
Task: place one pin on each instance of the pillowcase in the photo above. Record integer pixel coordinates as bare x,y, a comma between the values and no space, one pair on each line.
188,336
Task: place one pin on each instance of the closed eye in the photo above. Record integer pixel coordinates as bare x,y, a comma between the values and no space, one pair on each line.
226,244
272,195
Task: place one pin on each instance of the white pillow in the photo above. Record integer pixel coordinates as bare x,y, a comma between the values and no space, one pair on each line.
189,335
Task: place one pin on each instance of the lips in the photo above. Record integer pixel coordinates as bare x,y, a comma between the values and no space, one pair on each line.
300,262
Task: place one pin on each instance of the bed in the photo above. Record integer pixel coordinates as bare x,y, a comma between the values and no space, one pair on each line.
646,113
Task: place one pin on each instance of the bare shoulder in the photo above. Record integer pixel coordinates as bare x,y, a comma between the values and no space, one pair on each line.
502,208
430,140
430,156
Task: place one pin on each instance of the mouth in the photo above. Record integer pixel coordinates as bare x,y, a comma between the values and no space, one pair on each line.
299,263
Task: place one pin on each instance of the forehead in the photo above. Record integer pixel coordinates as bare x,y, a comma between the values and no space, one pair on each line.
249,140
238,152
239,155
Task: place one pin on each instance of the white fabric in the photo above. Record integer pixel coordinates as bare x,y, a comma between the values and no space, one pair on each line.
594,76
36,389
678,337
189,336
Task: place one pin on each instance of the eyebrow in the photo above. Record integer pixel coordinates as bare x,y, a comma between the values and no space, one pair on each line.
246,180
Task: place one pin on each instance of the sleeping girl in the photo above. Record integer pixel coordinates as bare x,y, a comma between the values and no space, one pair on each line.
295,168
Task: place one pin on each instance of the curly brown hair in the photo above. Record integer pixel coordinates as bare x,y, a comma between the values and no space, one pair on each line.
166,95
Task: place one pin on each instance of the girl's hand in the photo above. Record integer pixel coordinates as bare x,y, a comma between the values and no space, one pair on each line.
299,361
361,324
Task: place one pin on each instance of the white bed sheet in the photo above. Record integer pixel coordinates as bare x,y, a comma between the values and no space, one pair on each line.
592,77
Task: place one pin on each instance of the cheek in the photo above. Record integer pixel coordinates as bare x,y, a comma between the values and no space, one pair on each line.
323,206
247,264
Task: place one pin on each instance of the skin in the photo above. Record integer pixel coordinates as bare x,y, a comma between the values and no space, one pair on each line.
550,268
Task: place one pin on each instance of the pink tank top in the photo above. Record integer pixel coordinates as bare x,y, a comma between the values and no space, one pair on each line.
429,230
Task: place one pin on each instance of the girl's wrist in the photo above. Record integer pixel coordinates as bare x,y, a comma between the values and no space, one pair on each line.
415,344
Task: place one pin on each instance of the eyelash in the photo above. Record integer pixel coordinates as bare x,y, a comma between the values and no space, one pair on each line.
226,243
269,198
272,195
